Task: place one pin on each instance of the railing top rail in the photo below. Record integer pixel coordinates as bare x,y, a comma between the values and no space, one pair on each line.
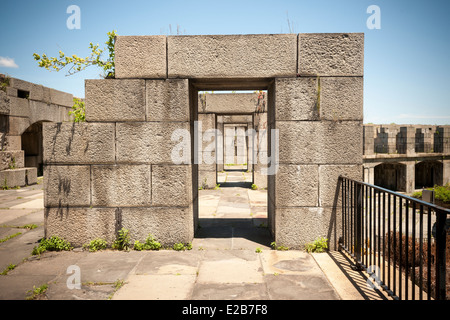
428,204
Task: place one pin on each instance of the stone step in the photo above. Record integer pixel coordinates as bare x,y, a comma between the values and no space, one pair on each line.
12,159
20,177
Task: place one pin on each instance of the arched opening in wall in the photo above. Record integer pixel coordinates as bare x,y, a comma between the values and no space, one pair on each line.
428,174
32,146
391,176
228,211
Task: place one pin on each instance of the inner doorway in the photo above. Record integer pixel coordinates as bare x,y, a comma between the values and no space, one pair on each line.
232,213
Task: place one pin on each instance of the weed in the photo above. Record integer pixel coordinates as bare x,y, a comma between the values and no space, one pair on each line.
258,250
4,83
38,292
95,245
8,268
117,285
217,187
53,243
150,244
122,241
254,187
318,245
279,248
10,237
181,246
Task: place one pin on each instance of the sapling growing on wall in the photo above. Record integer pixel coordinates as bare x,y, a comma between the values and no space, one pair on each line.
77,64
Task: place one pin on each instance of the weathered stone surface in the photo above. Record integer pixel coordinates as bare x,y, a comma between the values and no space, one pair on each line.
41,111
228,56
228,102
61,98
341,98
148,142
11,178
30,176
11,159
171,185
168,225
78,143
331,54
207,179
115,100
19,107
297,186
5,103
80,225
329,186
324,142
11,142
123,185
17,125
67,185
140,57
167,100
298,226
296,99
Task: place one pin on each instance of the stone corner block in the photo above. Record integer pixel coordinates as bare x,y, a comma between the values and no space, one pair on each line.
331,54
171,185
341,98
140,57
115,100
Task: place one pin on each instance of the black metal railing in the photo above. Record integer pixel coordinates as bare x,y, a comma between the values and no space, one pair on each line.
399,240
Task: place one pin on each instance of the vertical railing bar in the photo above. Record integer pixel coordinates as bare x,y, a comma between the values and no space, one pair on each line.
374,227
421,255
379,231
400,219
343,211
351,218
389,243
413,265
369,248
395,242
429,254
366,224
441,235
358,224
406,249
384,237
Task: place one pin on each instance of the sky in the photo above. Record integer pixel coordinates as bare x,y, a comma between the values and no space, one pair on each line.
406,60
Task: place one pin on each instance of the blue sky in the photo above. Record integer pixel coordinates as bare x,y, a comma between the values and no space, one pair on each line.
406,67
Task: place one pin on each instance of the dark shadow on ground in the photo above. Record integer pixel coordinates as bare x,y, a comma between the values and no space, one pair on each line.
247,185
253,230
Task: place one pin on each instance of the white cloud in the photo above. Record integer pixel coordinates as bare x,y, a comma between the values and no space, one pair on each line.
7,62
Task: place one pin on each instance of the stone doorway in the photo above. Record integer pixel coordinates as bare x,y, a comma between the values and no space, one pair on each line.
230,213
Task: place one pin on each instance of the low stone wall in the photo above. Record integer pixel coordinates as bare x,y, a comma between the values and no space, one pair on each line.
23,107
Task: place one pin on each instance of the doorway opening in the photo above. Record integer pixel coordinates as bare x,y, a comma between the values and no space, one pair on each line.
230,210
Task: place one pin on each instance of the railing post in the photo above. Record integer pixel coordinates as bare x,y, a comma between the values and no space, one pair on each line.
441,234
358,226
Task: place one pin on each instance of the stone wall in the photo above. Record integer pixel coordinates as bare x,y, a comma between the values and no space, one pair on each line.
406,157
23,108
116,171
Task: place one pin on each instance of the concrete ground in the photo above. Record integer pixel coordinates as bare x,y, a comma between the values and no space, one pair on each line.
231,259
